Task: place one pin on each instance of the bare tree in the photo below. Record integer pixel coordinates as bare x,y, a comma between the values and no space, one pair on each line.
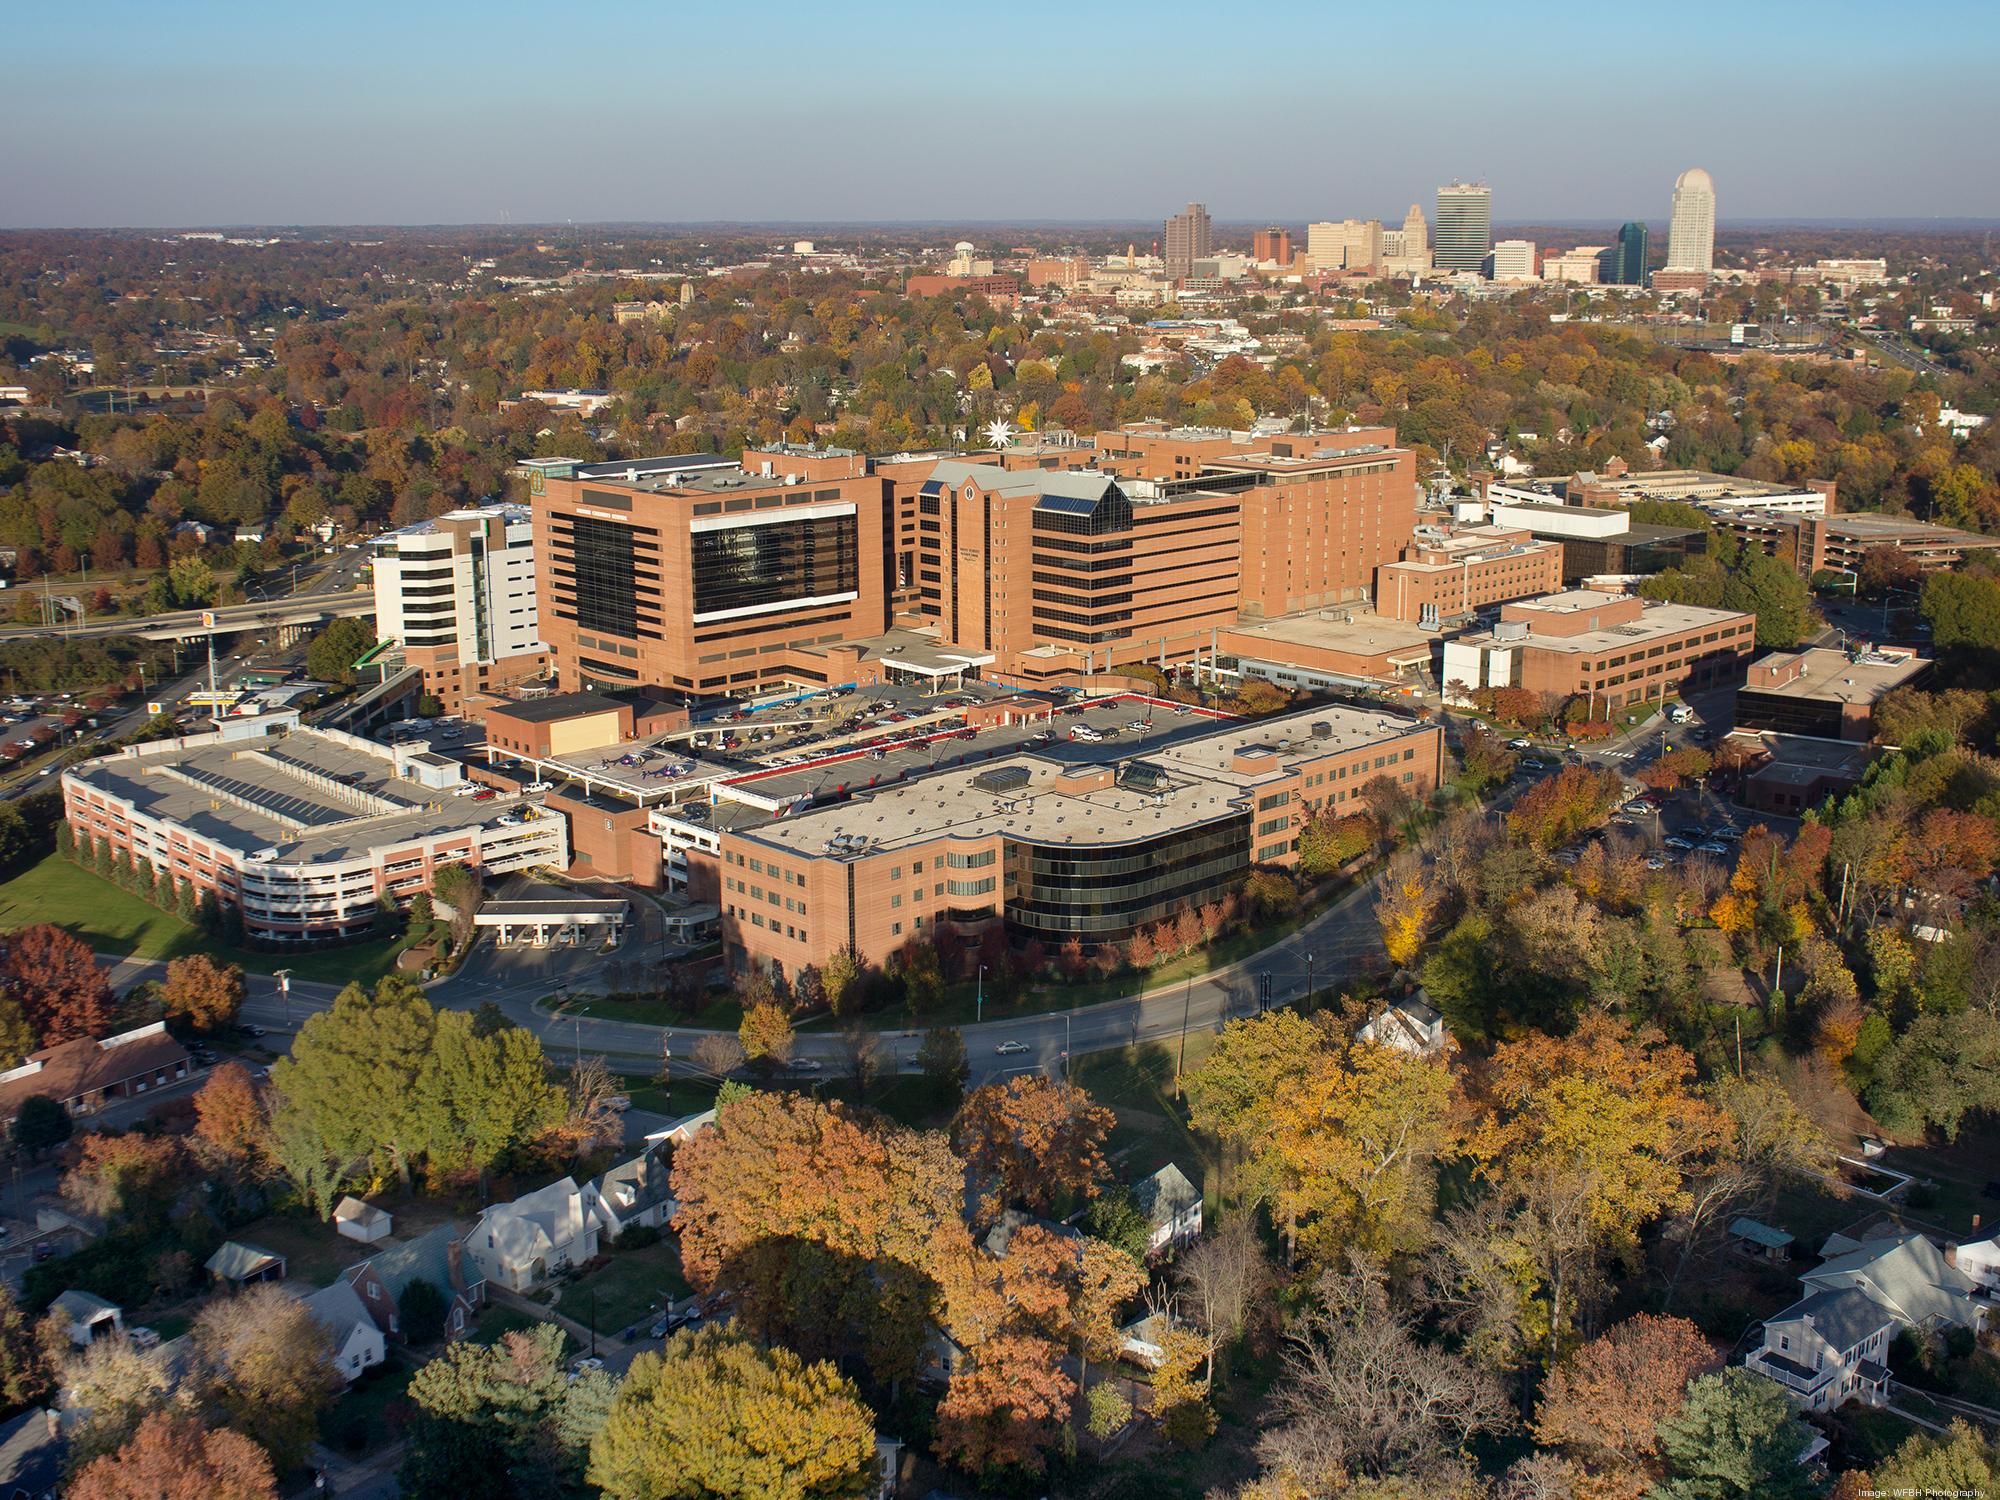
592,1122
1219,1279
861,1051
717,1056
1359,1392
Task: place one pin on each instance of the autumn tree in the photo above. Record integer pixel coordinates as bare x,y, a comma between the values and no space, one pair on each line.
1004,1404
713,1414
205,994
27,1374
1404,909
1959,1461
56,981
1255,1061
266,1363
765,1034
173,1457
130,1178
824,1221
1604,1403
1561,806
115,1385
1035,1138
1590,1137
483,1096
1359,1140
232,1132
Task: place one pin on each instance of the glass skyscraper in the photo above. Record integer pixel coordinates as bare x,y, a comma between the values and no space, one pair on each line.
1462,237
1634,242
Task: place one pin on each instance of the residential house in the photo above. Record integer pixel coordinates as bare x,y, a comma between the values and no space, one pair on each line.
240,1264
361,1221
437,1257
1172,1206
1980,1260
1411,1024
1907,1275
519,1245
632,1194
90,1317
33,1451
1832,1345
357,1341
1143,1340
682,1130
1827,1348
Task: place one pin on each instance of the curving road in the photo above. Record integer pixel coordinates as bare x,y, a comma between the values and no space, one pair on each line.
1327,953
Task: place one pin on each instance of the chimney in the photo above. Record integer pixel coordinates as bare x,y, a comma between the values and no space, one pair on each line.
54,1420
454,1260
1951,1252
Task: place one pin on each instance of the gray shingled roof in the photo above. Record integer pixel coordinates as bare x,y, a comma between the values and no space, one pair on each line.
236,1259
1906,1274
425,1258
1165,1195
1843,1318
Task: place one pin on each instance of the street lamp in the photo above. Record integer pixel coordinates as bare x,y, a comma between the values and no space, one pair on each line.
979,1000
1068,1037
1309,980
284,978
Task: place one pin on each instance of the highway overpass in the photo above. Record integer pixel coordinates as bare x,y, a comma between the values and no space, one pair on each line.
231,619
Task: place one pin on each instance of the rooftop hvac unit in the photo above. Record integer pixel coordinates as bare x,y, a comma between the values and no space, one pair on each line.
1322,729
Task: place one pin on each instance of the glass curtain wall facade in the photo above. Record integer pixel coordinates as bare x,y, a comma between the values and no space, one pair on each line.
1103,894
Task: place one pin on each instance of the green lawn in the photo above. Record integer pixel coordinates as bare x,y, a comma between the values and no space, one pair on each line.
116,921
313,1251
687,1096
633,1285
497,1322
1138,1084
110,920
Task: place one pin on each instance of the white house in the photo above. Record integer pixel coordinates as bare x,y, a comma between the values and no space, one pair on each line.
1980,1260
1172,1206
361,1221
90,1317
1411,1024
357,1343
633,1193
519,1245
1828,1348
1832,1345
1905,1274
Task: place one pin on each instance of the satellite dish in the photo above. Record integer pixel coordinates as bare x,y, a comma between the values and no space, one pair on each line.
999,433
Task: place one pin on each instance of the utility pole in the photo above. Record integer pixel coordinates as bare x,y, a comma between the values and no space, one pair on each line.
1180,1062
979,1000
284,978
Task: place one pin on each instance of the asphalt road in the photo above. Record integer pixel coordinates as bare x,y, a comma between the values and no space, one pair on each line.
1327,953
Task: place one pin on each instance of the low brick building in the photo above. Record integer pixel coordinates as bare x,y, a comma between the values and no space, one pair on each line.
1824,694
85,1074
1618,649
1449,577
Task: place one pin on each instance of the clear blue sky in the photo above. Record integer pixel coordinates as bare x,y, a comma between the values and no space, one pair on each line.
440,111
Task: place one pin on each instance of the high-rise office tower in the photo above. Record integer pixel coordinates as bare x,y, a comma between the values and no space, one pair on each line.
1416,234
1691,230
1187,240
1629,264
1463,235
1272,244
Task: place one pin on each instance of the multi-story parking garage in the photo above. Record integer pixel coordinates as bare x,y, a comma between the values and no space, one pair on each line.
306,833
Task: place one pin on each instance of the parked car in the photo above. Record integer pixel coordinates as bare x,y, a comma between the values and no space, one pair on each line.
1711,846
536,788
484,794
249,1030
1519,744
1011,1049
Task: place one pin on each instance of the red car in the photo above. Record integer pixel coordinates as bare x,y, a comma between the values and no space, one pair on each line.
484,794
